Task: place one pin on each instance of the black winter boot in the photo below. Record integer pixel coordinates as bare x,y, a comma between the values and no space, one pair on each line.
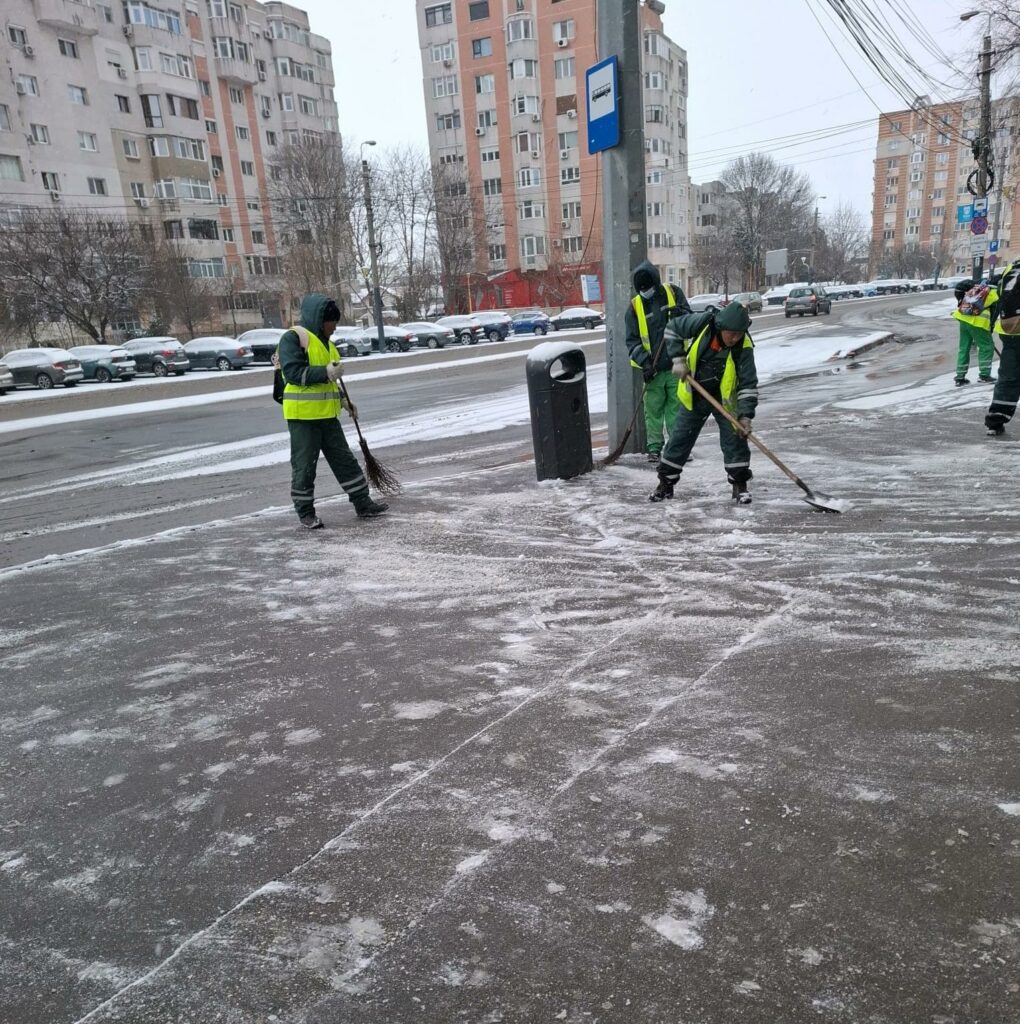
740,495
664,492
369,509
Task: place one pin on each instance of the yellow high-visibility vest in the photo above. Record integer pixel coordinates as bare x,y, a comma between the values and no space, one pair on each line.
314,401
728,385
638,305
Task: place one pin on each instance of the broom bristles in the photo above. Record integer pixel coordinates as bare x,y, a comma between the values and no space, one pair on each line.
614,456
378,475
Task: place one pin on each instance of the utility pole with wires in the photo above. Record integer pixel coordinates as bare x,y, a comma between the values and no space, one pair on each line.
980,182
625,237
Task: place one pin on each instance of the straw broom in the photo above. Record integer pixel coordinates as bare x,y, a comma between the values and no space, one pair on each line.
378,475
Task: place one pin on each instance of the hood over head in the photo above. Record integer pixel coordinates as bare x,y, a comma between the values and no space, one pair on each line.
314,308
646,276
733,317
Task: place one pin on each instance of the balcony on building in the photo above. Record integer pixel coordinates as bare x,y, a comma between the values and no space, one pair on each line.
230,69
67,16
228,27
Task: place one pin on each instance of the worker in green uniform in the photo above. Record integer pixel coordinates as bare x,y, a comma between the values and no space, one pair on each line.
311,367
975,310
716,350
650,309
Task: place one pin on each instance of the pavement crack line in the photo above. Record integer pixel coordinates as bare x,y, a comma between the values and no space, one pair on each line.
275,884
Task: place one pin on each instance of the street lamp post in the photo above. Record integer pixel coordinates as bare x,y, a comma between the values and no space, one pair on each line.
982,145
380,339
814,240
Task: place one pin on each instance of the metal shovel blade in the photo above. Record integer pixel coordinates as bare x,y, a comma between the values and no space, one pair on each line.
824,502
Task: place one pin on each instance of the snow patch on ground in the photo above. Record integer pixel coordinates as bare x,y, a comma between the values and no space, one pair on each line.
685,931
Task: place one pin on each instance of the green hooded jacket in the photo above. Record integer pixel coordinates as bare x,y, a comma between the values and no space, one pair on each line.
293,358
657,317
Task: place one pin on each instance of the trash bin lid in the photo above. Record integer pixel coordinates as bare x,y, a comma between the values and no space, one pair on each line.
549,351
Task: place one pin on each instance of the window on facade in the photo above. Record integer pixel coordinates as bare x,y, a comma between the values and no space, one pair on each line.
87,142
28,84
563,67
890,200
529,177
10,169
308,106
519,28
123,105
654,114
492,186
176,64
563,29
137,189
532,245
228,234
258,237
485,83
497,253
569,174
17,36
215,267
142,14
654,178
236,96
248,168
40,134
444,86
573,244
159,145
287,102
441,14
5,118
242,132
441,52
941,158
130,147
524,68
447,122
51,181
939,193
481,47
531,209
143,58
77,94
656,45
173,229
524,104
271,138
181,106
571,210
97,186
489,156
653,79
478,10
486,118
67,48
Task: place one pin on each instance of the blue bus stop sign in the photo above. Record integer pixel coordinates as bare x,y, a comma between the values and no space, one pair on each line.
603,95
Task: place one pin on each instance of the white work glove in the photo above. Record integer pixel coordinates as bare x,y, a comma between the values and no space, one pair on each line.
349,406
334,371
745,425
680,368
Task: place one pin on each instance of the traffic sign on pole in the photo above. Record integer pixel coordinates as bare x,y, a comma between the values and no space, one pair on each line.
979,225
603,105
993,246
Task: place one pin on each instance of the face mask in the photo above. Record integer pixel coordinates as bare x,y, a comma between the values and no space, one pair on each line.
647,293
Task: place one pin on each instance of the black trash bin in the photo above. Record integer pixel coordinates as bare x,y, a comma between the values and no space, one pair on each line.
558,395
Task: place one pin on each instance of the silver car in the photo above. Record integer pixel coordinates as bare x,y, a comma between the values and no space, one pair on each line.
218,353
6,379
351,342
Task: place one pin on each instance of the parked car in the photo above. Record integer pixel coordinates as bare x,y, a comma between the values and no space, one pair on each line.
263,342
351,341
577,316
777,296
707,303
397,339
467,328
751,301
43,367
811,299
105,363
497,326
218,353
430,335
159,355
531,321
6,379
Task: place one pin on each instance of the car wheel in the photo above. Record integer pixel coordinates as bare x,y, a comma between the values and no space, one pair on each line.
494,336
103,375
160,369
589,325
465,338
814,312
351,352
44,381
539,330
788,315
405,346
223,363
393,346
432,343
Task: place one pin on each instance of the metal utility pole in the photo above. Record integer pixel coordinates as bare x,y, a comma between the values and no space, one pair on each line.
625,235
814,241
982,146
380,340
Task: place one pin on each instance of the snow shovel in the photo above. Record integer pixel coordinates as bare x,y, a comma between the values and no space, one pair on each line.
818,500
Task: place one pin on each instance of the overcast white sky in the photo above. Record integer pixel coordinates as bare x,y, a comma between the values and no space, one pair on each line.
758,70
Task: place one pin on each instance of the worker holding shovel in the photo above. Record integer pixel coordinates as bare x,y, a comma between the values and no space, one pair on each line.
716,351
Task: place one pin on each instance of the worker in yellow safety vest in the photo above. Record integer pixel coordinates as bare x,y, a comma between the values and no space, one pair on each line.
650,309
312,402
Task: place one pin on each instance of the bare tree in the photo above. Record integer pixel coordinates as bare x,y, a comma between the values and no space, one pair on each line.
460,233
714,254
771,210
844,243
177,296
315,188
79,266
408,196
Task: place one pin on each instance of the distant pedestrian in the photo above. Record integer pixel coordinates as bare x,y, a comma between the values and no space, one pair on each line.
646,320
312,403
975,311
1007,333
716,350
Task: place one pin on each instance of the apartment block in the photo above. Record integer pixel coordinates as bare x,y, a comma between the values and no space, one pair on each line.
922,163
504,85
705,211
168,114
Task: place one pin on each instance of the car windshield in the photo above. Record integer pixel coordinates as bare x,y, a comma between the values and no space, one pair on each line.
799,293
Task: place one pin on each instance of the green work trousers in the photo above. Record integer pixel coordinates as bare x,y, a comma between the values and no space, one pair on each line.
307,439
661,406
971,336
735,450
